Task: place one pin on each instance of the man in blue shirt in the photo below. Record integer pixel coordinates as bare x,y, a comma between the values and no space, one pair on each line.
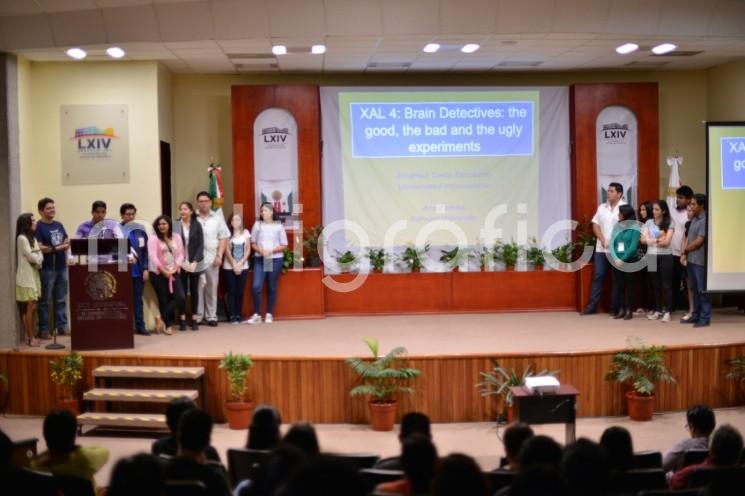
137,236
54,244
694,258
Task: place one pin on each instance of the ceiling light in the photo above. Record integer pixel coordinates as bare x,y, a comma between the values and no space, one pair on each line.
115,52
279,49
431,47
470,48
627,48
663,48
76,53
318,49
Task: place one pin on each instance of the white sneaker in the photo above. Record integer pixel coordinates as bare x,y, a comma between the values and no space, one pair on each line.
666,317
654,316
255,319
268,318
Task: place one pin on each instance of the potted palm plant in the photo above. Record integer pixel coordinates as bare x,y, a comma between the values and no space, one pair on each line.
564,255
535,255
382,378
66,372
640,368
414,258
312,236
736,371
498,256
498,381
453,258
484,256
510,253
237,408
346,261
377,257
288,259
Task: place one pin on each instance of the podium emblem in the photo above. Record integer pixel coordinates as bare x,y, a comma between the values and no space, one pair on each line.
100,285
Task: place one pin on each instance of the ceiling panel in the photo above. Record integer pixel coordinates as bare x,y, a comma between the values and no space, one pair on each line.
353,17
19,7
728,19
136,24
581,16
468,16
64,5
685,17
122,3
184,21
240,19
27,32
519,16
411,17
634,16
78,28
297,18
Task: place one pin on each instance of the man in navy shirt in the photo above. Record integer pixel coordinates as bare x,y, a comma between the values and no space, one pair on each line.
137,236
54,244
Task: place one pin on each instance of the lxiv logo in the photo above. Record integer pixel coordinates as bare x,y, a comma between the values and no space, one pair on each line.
94,141
275,137
615,133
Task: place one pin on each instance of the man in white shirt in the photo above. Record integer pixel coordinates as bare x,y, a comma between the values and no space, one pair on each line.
679,217
605,218
216,236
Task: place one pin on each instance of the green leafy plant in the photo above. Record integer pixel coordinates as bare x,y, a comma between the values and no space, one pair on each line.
384,376
236,366
564,253
311,239
641,367
346,260
584,234
453,257
510,253
377,257
413,257
736,370
483,254
288,259
67,371
535,253
500,379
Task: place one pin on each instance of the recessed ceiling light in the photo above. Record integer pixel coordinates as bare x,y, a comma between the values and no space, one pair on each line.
279,49
663,48
318,49
115,52
76,53
627,48
470,48
431,47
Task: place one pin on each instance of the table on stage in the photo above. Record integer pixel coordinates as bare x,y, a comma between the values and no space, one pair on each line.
548,408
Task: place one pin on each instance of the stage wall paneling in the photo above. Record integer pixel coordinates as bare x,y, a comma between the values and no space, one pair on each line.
317,389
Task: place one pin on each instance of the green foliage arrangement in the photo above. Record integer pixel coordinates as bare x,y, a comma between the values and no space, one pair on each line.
288,259
453,257
500,379
413,257
236,366
384,376
67,371
377,257
641,367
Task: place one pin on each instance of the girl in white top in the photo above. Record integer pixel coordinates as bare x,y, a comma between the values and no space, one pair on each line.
657,234
235,266
28,262
269,241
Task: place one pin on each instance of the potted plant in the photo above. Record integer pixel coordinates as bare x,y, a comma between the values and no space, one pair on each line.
500,379
381,379
585,235
510,253
312,236
377,257
288,259
347,261
498,256
484,256
237,408
564,255
736,371
66,373
640,368
453,258
535,255
414,258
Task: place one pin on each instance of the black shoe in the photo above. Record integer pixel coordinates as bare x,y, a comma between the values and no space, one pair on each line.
689,321
61,332
629,315
182,325
701,324
44,335
621,314
587,311
212,323
194,325
142,332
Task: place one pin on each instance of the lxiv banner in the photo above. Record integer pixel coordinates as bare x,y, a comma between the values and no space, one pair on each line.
616,141
94,144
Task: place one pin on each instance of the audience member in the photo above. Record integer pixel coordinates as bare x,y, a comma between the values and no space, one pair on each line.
411,423
194,434
700,423
18,481
418,458
169,445
459,475
694,258
725,450
191,234
325,476
263,433
619,448
585,469
54,243
137,237
539,450
28,285
540,480
215,234
274,472
514,437
303,436
63,456
138,475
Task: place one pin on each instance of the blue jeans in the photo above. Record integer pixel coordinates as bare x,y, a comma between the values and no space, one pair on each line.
701,300
271,273
236,289
601,266
53,284
138,286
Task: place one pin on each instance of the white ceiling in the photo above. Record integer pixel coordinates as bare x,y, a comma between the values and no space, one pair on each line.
230,36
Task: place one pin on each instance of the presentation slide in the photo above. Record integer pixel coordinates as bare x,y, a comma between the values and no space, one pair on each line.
726,184
463,156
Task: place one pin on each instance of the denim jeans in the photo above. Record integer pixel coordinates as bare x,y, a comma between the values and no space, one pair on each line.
53,284
236,289
601,266
138,286
271,273
701,300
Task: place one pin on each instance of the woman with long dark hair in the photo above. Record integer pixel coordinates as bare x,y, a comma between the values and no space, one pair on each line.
646,298
657,235
192,236
624,249
235,266
268,240
165,256
28,283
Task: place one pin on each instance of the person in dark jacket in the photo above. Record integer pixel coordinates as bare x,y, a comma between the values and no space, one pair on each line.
624,246
191,232
137,235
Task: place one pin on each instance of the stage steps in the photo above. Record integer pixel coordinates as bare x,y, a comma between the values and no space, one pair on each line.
104,392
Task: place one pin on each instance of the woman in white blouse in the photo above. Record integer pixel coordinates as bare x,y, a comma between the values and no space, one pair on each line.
235,266
268,240
28,284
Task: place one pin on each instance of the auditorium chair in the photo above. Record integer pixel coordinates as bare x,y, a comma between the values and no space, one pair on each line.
359,460
185,488
724,477
375,476
635,480
671,492
24,481
71,485
244,463
647,459
694,457
24,451
499,479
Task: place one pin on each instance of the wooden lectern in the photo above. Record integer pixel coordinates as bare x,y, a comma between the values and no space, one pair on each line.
555,408
101,295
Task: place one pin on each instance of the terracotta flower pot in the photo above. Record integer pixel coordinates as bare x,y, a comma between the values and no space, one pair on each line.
640,408
382,416
68,404
238,414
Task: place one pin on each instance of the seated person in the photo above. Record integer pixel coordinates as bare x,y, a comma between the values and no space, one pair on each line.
459,474
168,445
263,433
63,456
700,423
584,466
194,434
19,481
139,475
725,450
514,437
619,447
411,423
418,458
